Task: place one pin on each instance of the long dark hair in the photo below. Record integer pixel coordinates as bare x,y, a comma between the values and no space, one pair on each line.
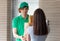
39,22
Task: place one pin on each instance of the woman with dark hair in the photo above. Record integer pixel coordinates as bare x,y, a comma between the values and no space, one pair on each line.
39,23
37,29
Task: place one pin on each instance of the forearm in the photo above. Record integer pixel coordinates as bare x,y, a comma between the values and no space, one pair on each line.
17,36
28,38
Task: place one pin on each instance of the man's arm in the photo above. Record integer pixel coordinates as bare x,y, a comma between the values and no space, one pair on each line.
15,34
28,37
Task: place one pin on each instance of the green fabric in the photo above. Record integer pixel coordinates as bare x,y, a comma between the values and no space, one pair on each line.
23,4
18,23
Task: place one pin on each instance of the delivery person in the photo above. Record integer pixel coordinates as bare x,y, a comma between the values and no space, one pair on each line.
18,22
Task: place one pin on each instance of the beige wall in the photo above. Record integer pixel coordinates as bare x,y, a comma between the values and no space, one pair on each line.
52,11
3,20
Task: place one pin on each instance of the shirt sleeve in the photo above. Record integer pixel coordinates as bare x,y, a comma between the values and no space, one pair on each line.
14,23
28,30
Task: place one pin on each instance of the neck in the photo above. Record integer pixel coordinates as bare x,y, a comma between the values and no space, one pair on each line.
24,16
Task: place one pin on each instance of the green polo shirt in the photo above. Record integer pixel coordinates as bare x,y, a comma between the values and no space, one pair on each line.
18,23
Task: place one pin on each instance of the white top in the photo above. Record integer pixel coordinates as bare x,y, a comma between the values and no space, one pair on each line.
35,37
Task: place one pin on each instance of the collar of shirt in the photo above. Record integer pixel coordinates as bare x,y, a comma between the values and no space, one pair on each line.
24,18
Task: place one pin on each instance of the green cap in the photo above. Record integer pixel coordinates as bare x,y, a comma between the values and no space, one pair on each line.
24,4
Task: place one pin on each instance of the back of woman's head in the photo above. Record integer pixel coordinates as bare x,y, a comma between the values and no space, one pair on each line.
39,22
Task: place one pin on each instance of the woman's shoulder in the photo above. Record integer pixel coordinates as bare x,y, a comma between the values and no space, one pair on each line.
30,27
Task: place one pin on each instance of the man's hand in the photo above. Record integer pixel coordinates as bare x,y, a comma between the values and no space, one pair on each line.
23,38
